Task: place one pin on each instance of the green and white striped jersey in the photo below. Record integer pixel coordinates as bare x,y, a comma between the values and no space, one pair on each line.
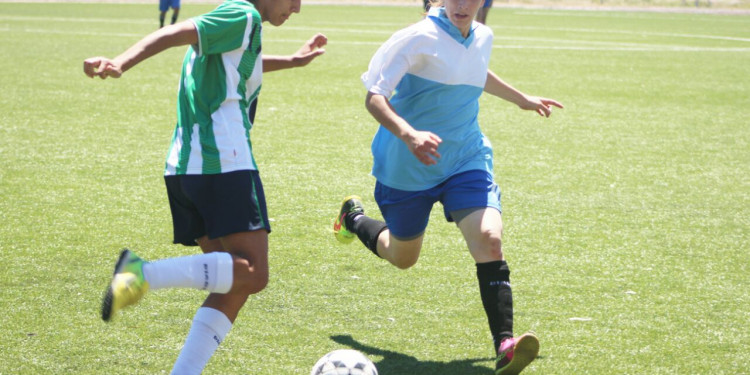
221,77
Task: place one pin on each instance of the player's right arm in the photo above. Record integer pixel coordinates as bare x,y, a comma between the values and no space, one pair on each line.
179,34
422,144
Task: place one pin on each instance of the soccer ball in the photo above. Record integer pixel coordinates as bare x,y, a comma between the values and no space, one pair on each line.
344,362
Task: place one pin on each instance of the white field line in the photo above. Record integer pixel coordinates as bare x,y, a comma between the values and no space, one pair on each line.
357,27
627,49
628,32
614,47
76,19
602,13
91,33
358,30
508,42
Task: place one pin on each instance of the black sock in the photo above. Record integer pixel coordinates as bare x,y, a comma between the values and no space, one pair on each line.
497,298
161,21
367,229
174,19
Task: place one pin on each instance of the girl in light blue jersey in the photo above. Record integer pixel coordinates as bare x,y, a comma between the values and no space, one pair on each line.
214,188
423,88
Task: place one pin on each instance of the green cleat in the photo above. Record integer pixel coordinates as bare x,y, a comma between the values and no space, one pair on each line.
127,287
516,353
351,204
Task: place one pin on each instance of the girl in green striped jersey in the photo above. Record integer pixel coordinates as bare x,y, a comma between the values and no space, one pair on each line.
214,189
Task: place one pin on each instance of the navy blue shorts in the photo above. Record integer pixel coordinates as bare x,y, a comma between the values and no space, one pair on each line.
407,212
487,4
216,205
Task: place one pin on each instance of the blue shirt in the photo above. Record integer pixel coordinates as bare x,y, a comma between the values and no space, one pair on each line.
433,77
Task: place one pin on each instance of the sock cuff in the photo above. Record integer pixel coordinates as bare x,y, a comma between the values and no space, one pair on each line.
493,271
373,245
368,230
215,320
224,272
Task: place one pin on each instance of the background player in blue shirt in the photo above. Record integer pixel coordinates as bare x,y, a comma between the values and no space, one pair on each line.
164,6
423,88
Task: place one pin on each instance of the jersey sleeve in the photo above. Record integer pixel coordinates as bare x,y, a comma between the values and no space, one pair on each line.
390,63
226,28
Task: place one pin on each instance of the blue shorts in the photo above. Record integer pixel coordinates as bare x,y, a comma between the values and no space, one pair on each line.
407,212
216,205
487,4
166,4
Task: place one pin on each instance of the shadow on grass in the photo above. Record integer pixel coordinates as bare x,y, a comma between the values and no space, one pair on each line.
394,363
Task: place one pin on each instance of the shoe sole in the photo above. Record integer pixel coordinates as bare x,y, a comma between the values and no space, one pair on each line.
109,295
342,237
525,351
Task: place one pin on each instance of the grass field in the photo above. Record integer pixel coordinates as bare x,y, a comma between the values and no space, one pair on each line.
627,214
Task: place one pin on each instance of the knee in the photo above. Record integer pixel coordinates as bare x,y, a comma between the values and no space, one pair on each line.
405,258
404,263
492,243
402,254
249,278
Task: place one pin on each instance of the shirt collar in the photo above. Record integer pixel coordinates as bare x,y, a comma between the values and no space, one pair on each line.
438,16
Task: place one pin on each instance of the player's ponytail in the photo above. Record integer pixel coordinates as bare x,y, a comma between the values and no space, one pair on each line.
432,4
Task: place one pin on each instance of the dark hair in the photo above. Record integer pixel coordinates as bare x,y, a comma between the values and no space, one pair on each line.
432,3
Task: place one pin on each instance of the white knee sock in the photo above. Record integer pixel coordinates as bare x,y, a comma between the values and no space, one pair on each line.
210,326
212,272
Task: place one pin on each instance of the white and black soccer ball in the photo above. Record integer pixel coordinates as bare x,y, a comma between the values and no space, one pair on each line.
344,362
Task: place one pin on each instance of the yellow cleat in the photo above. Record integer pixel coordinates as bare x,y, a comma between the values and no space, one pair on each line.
127,286
351,204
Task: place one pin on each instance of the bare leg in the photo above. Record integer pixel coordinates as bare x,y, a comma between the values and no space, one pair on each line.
483,230
402,254
175,13
250,254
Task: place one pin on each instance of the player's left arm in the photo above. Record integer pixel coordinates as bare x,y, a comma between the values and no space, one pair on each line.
307,53
497,87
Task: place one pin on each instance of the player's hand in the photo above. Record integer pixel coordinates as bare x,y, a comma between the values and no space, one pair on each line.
424,146
101,67
310,50
542,106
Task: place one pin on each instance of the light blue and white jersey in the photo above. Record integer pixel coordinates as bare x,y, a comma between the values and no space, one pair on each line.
433,77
